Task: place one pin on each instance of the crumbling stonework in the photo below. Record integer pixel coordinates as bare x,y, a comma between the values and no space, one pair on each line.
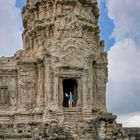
133,133
62,53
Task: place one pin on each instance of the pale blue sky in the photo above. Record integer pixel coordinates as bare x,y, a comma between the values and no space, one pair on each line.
106,26
20,3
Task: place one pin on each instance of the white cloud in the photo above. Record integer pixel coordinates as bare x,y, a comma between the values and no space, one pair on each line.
131,120
126,17
10,28
124,81
124,66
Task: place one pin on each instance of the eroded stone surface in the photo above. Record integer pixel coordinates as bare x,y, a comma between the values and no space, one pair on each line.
61,42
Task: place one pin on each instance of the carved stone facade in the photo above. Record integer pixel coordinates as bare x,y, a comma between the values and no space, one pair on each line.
62,53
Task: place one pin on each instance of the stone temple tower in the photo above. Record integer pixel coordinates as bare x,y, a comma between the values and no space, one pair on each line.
62,53
63,36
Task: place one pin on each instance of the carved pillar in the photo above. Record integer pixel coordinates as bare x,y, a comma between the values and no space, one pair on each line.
90,81
79,93
84,87
1,96
56,88
48,83
12,91
60,98
21,100
101,86
94,86
40,91
56,91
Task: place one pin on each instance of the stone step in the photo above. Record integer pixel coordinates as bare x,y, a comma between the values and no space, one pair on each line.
73,114
73,109
72,118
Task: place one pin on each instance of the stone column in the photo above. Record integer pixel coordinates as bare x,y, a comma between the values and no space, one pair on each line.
60,98
40,88
12,91
101,86
48,84
21,91
94,86
79,93
56,91
90,81
84,87
2,96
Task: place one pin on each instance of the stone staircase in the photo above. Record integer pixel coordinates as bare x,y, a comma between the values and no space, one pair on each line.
75,127
73,114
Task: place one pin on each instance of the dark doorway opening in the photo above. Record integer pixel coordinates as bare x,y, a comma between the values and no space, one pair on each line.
69,85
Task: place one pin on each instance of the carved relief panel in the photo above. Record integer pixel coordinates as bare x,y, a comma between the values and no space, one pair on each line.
8,91
4,96
101,85
26,87
76,52
72,57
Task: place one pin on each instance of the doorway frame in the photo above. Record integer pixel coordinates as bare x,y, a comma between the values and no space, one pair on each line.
72,89
79,89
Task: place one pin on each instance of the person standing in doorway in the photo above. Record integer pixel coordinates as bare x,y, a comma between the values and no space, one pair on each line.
70,100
